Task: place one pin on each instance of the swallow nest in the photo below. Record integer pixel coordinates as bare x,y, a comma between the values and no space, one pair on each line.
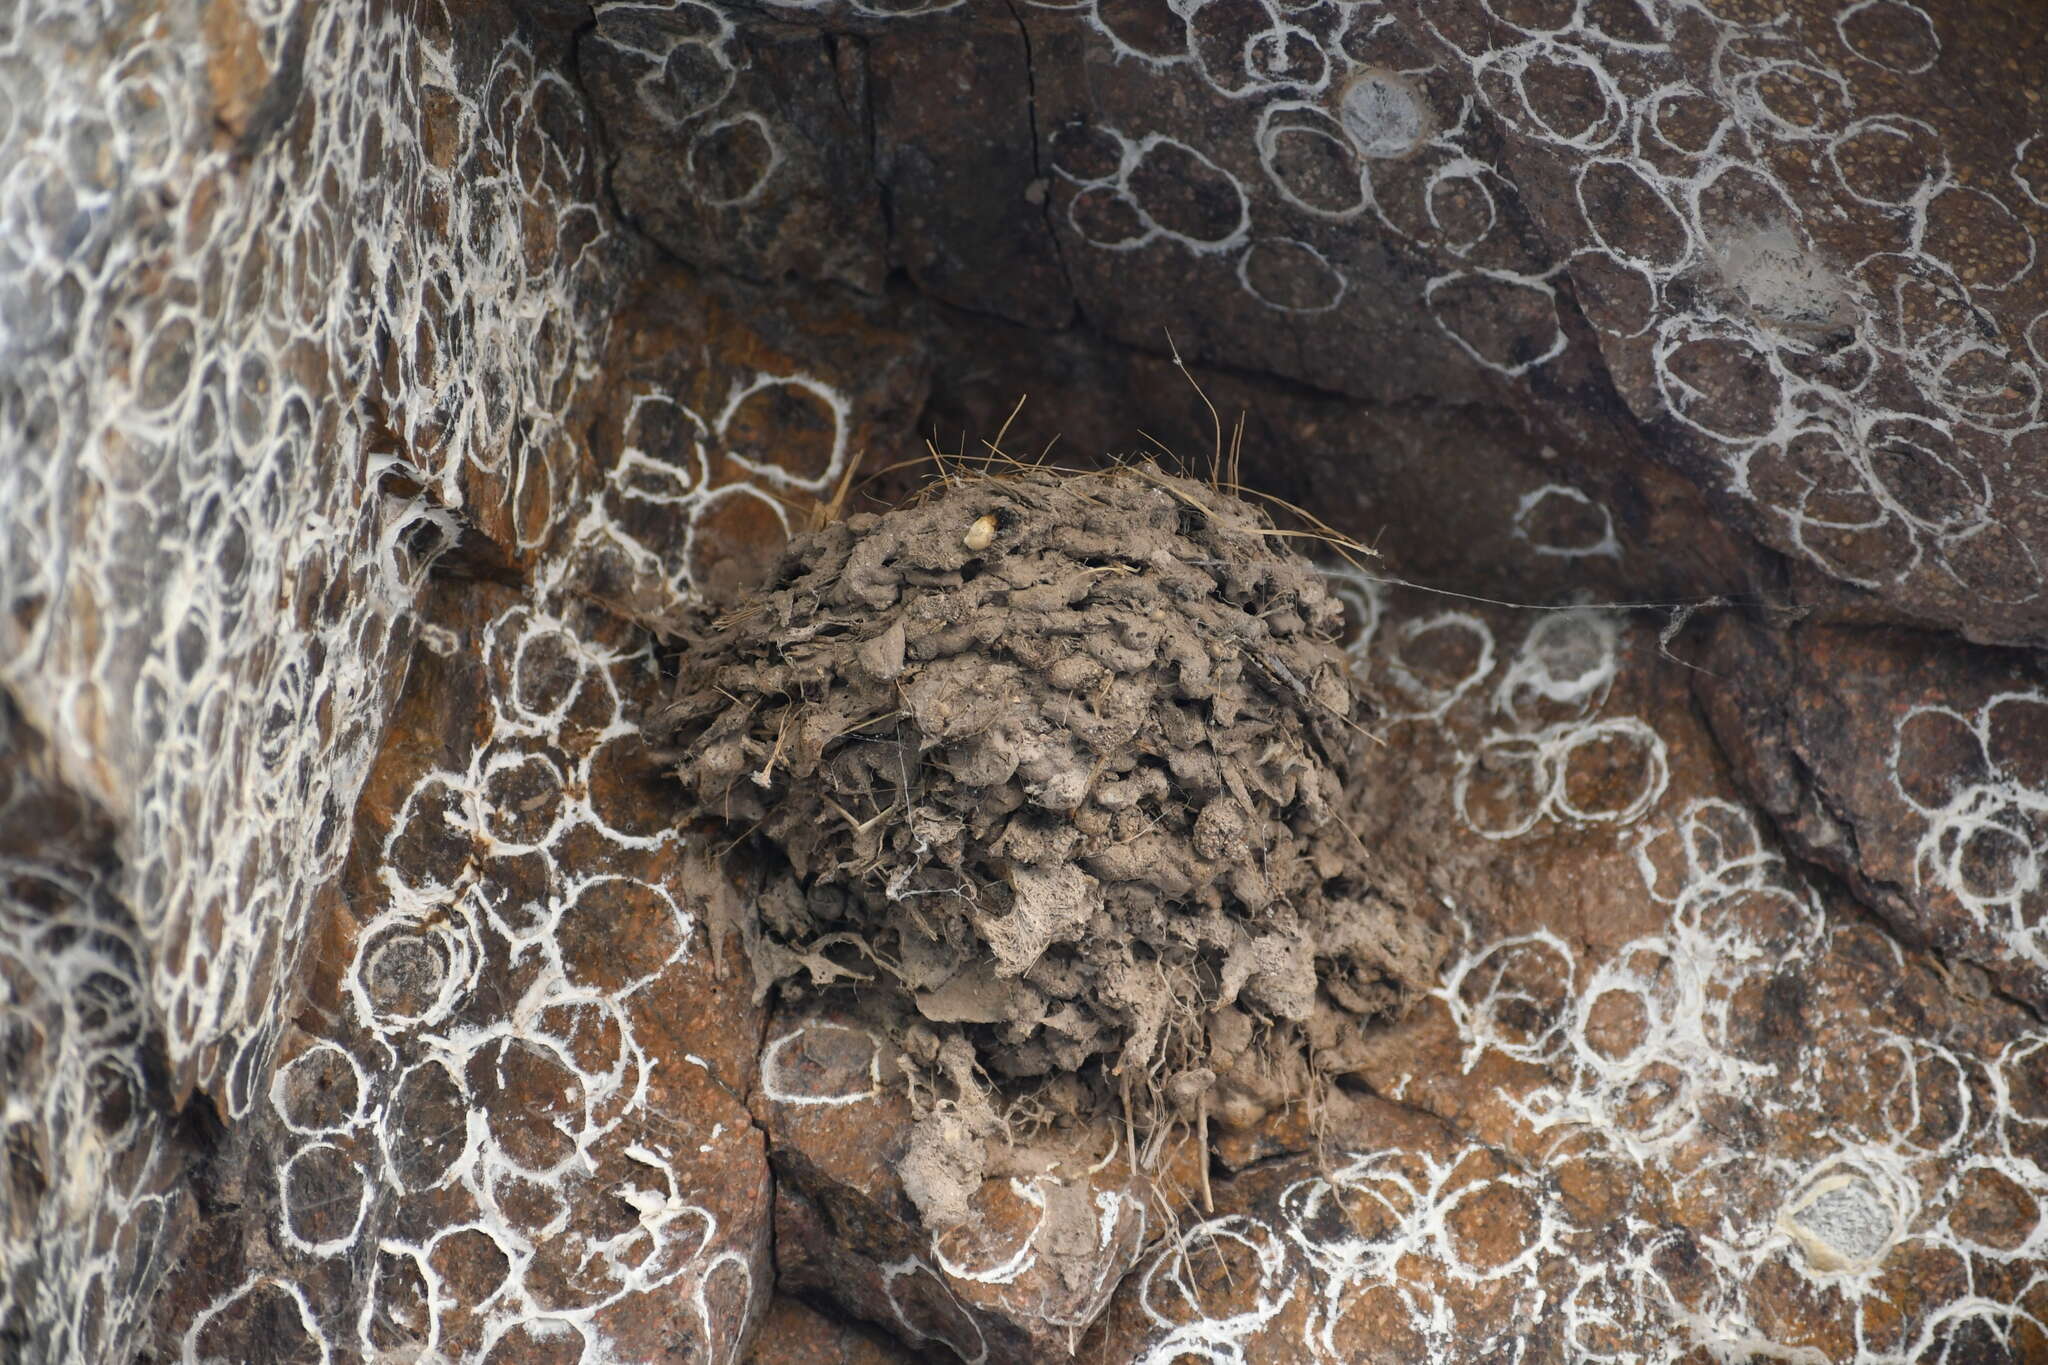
1055,777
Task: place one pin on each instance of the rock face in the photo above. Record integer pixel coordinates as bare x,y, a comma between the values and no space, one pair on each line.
1913,774
1788,249
375,380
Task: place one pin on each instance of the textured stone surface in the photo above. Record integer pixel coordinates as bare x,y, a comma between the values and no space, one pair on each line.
370,375
1912,771
725,414
741,141
514,1086
794,1333
1787,248
92,1160
1671,1097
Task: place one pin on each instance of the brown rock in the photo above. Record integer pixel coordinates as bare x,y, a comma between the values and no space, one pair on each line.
1810,284
956,153
523,1087
1687,1100
235,70
1806,269
725,423
741,144
794,1333
1913,767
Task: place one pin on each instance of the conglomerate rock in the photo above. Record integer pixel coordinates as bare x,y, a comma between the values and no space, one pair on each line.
373,377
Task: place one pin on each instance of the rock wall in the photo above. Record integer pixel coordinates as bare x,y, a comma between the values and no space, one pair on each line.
373,377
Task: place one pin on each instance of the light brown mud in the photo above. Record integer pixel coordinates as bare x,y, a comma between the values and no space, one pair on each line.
1052,772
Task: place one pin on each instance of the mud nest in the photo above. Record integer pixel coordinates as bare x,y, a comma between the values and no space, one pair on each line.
1067,766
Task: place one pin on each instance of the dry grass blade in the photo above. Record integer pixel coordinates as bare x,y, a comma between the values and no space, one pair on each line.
825,513
1215,417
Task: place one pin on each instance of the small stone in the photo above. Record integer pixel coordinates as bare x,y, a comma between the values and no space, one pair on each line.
981,534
